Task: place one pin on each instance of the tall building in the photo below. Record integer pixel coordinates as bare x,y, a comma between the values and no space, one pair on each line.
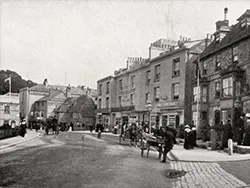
225,70
9,109
155,91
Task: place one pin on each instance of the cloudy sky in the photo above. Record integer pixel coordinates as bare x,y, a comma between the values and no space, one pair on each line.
88,40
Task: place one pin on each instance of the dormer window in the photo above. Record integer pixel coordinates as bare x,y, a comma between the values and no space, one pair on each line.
245,22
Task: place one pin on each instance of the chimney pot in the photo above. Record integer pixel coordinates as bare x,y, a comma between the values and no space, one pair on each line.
225,13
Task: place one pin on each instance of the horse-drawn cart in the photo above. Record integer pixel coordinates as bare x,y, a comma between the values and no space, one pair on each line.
148,140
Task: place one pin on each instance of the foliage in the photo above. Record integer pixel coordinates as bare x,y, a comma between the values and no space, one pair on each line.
17,82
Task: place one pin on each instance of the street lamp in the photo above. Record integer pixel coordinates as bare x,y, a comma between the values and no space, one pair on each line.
149,106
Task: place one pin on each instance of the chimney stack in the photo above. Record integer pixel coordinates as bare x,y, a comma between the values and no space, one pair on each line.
225,13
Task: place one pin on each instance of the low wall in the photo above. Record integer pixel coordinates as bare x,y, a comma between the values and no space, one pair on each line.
8,133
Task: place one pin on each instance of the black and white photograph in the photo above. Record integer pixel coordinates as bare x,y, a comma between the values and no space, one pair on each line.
124,94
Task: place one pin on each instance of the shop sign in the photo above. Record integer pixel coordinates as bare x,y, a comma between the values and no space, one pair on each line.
168,104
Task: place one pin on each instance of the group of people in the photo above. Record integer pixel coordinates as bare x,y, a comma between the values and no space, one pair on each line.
189,137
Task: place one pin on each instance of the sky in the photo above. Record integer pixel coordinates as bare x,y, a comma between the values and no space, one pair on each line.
77,42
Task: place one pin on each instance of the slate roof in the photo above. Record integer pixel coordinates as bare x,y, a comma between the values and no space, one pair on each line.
50,96
236,33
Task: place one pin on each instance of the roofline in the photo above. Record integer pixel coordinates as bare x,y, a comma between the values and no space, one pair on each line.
223,47
168,54
105,78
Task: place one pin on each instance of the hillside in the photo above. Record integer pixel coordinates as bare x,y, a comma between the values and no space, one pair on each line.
16,82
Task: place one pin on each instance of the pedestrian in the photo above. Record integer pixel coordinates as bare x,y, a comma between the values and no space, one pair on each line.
239,129
187,137
246,139
168,143
227,134
193,137
115,128
90,127
23,129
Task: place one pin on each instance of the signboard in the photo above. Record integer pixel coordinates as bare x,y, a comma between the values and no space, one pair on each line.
168,104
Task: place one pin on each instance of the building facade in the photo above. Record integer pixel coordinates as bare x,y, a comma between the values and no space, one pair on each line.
153,91
224,67
9,109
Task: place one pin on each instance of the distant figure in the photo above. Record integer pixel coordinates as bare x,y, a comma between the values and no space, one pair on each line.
193,137
91,127
246,141
23,129
168,142
187,137
115,128
71,127
227,134
239,129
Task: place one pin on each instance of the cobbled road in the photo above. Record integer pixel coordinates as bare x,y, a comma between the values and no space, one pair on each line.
75,160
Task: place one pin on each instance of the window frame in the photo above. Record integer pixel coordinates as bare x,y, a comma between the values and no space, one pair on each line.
217,94
218,61
157,73
228,88
147,97
6,109
107,87
148,77
99,103
132,84
175,97
235,53
176,72
107,102
120,85
100,89
157,97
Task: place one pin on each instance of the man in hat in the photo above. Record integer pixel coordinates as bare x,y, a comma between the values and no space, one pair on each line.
168,142
239,129
246,141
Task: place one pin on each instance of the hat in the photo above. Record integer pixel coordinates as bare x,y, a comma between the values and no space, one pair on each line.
187,126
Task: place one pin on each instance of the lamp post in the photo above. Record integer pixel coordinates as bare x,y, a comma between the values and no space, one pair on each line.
149,106
198,89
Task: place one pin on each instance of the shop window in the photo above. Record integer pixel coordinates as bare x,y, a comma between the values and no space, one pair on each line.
164,121
225,116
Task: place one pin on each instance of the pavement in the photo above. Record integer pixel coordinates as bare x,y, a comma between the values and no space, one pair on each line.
14,141
178,153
